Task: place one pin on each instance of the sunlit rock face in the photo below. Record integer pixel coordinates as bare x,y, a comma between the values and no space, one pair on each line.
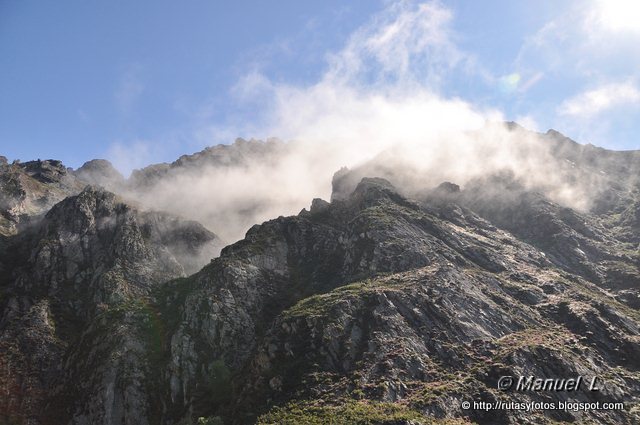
392,304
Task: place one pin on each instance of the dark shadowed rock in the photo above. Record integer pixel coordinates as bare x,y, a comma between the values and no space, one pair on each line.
241,152
90,256
447,188
29,189
48,171
377,307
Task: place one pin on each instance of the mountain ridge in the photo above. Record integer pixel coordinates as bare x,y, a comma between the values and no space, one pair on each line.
389,304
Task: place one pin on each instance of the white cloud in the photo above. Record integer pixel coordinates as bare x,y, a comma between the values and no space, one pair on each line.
528,122
130,155
379,97
616,15
381,89
588,54
585,39
407,42
601,99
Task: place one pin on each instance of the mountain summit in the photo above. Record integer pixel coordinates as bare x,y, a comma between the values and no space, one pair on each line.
394,303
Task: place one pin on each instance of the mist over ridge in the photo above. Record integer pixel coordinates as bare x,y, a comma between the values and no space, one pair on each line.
503,256
231,187
379,105
381,236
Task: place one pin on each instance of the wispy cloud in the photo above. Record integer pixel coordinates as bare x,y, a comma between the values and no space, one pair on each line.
408,42
598,100
129,89
530,82
129,155
380,96
381,88
516,83
584,38
588,55
615,16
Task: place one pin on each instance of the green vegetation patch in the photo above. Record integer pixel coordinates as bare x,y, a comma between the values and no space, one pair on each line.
555,339
426,393
318,305
377,216
321,304
144,317
351,412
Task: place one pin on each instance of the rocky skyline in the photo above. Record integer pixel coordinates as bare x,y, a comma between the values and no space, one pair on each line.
393,301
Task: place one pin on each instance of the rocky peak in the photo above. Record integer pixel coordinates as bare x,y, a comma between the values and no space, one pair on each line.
96,244
100,172
47,171
447,188
342,184
372,191
29,189
445,191
240,153
81,213
89,260
318,206
372,306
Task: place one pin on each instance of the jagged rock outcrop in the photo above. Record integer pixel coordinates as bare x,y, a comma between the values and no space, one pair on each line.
90,254
464,304
393,338
386,305
100,172
31,188
240,153
574,241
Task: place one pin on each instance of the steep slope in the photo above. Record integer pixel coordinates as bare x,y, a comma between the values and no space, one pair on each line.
91,252
373,308
31,188
612,174
585,244
292,319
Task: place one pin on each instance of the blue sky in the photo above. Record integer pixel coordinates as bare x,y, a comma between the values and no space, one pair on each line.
142,82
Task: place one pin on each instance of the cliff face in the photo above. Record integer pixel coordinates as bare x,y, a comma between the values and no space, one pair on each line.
31,188
426,305
373,308
88,255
